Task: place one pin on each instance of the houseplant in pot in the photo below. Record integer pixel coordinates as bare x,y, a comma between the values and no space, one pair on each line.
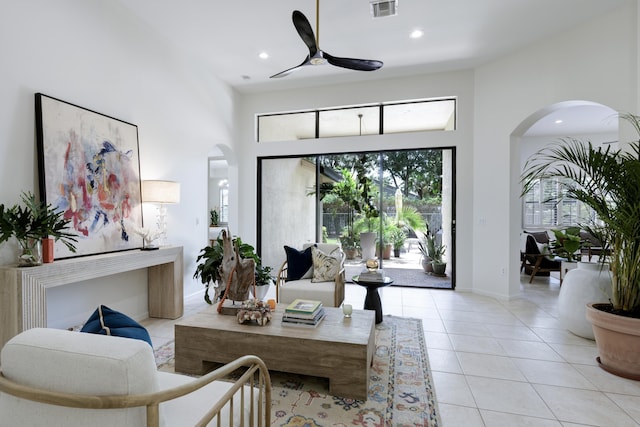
427,246
439,266
398,237
565,246
349,245
605,180
29,223
263,280
209,262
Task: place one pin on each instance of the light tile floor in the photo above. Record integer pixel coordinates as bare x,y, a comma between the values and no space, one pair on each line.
499,363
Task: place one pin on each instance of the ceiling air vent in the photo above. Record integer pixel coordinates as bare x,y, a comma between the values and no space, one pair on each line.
381,8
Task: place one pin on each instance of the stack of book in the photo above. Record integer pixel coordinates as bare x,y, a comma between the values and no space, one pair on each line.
301,312
372,276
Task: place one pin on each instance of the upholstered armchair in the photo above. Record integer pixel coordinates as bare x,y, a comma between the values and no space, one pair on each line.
53,377
315,273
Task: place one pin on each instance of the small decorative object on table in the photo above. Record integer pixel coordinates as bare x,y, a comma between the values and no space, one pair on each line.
301,312
372,264
372,275
254,310
347,309
148,238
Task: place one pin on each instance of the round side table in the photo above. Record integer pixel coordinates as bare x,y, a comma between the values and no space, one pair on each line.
372,300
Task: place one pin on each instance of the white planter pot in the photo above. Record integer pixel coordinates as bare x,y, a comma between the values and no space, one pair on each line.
368,245
588,283
261,292
565,267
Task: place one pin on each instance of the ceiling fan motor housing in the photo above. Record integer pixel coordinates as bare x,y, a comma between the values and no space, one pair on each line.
382,8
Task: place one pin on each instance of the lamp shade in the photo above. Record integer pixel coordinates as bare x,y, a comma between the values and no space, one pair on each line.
155,191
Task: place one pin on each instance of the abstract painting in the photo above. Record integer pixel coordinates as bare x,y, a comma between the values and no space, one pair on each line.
89,168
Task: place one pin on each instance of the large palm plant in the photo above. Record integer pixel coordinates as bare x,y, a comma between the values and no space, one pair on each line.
608,181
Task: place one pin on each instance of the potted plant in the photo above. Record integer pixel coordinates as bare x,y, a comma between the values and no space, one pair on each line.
439,266
349,245
397,237
210,259
263,279
605,180
427,246
213,217
566,246
31,222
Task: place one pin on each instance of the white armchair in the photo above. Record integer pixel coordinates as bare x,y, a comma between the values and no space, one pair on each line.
53,377
328,289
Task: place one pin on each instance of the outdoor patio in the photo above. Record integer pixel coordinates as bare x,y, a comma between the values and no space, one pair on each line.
405,271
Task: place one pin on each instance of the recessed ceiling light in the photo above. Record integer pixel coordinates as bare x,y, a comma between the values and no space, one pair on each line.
416,34
263,55
558,121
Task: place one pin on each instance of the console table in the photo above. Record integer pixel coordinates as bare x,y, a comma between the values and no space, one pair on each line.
23,290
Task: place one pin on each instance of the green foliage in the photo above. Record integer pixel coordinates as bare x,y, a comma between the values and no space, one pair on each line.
210,259
428,243
567,243
349,241
213,217
438,253
410,217
606,180
35,220
397,236
416,172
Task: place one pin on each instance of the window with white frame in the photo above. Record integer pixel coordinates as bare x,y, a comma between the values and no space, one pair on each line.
547,205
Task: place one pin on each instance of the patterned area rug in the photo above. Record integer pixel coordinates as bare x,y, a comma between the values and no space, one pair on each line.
401,392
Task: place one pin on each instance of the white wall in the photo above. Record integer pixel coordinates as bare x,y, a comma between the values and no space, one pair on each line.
458,84
288,214
91,53
594,62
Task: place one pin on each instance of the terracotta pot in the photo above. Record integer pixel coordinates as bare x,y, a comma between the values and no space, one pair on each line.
350,253
386,251
618,341
47,250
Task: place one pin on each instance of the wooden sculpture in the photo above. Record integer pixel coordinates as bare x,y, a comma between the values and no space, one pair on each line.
236,272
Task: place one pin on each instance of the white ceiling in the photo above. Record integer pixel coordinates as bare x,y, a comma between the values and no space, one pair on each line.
227,36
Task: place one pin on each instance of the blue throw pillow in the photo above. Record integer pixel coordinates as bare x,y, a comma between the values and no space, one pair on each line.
105,321
298,262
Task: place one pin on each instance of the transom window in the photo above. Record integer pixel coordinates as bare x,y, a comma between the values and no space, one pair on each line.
394,117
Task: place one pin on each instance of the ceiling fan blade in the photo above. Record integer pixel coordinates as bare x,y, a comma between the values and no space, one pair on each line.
352,63
305,31
292,69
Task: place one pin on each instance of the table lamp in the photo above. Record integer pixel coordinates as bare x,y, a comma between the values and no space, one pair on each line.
162,193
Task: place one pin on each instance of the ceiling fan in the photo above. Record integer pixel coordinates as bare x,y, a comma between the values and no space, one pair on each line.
319,57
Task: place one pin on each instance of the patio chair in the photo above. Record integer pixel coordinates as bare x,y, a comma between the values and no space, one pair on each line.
534,260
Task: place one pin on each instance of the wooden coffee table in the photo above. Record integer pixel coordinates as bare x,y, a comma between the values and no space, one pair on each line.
340,349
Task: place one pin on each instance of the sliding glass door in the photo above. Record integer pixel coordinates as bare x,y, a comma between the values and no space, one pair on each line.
386,205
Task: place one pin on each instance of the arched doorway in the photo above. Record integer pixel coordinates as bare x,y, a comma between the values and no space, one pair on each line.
222,188
586,120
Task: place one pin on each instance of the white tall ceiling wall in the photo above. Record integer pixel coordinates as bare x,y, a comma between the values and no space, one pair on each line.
92,54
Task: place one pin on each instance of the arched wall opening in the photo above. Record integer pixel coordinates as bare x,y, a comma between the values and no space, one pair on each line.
222,189
575,118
